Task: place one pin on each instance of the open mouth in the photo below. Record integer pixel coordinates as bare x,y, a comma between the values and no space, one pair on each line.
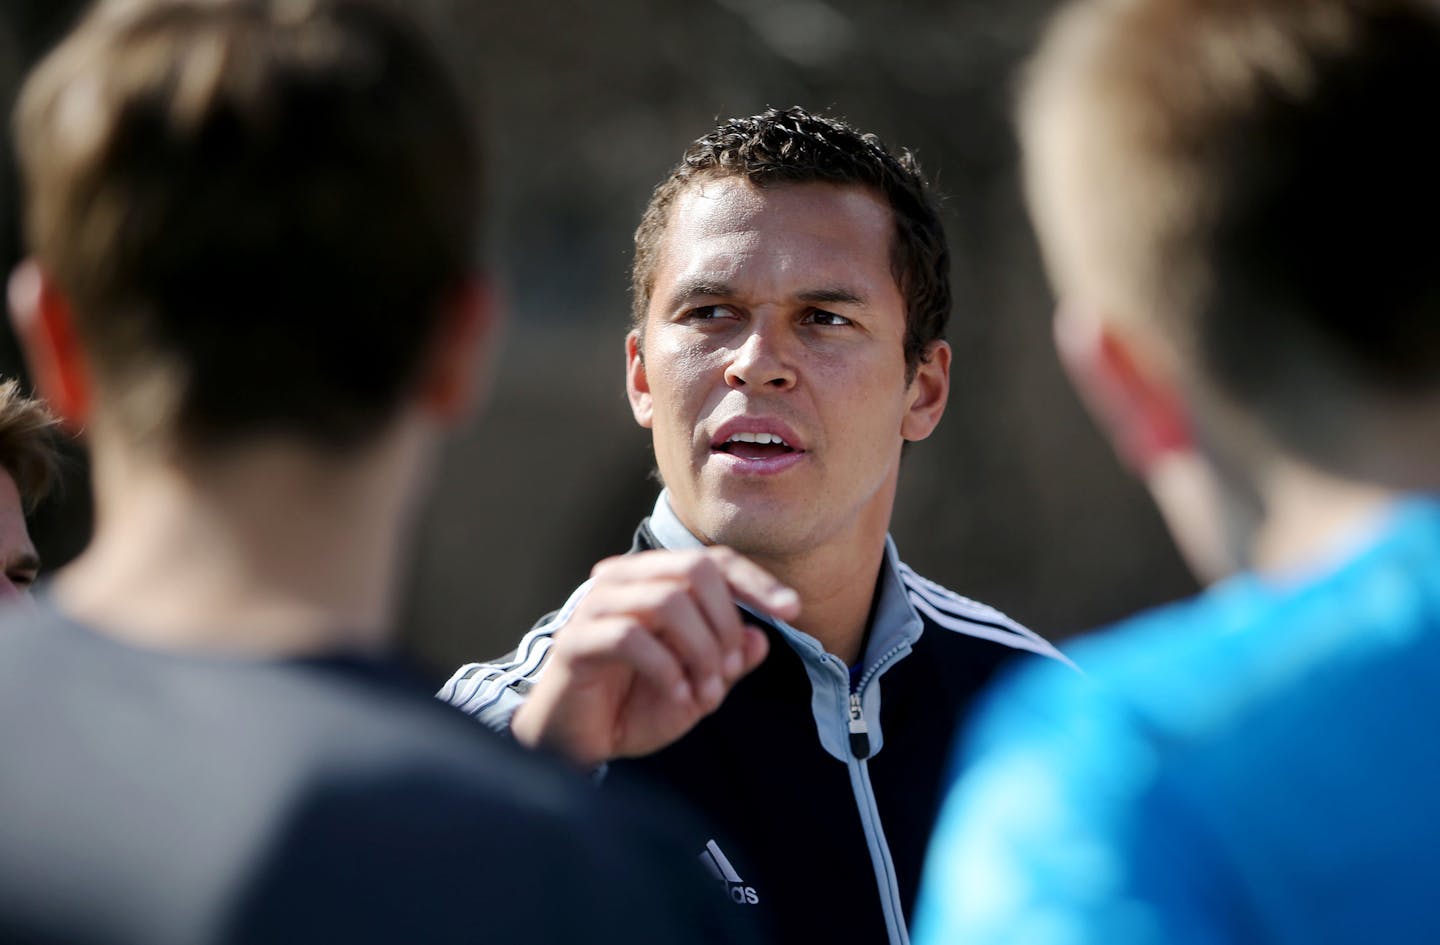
755,446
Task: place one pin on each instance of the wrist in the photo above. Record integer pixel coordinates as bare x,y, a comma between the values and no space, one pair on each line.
529,728
523,727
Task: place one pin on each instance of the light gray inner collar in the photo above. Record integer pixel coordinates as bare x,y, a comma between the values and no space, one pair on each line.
667,528
895,619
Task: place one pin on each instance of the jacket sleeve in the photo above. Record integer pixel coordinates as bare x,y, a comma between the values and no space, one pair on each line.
492,691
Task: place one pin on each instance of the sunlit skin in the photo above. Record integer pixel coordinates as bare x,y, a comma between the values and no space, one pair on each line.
1141,386
17,553
774,313
776,310
268,546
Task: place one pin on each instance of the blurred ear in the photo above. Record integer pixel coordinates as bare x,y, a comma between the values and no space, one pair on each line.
928,394
45,326
1125,387
457,376
637,382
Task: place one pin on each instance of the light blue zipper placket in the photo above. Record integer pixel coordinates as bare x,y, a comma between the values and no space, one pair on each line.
830,676
857,762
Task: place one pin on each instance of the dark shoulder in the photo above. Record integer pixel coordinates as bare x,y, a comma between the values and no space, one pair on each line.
338,718
955,622
431,826
472,837
327,800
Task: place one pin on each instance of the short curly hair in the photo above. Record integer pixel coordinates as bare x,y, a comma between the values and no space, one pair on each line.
792,146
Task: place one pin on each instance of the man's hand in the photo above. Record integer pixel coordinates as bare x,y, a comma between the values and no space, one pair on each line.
652,648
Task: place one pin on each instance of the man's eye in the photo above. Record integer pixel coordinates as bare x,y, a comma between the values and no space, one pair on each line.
706,313
817,316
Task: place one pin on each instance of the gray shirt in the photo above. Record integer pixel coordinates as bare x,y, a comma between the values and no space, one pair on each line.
160,797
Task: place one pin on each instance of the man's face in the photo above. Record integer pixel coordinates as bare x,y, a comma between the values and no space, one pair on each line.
773,373
17,554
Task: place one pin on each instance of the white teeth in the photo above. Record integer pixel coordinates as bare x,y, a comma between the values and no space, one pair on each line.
763,439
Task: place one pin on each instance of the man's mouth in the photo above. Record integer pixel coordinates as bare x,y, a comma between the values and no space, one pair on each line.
748,445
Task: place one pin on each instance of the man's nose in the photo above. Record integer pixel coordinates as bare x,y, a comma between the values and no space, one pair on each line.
761,362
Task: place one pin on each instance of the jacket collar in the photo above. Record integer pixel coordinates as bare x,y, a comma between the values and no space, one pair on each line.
894,623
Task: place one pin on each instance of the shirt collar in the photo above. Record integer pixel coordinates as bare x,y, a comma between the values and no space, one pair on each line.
667,528
896,621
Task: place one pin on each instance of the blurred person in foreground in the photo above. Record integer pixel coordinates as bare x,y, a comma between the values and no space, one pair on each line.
791,289
1232,199
29,470
252,226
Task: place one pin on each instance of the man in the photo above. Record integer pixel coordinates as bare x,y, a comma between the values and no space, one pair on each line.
790,294
1229,197
252,225
29,466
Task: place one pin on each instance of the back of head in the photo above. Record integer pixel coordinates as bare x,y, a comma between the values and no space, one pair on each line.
1254,178
792,146
256,209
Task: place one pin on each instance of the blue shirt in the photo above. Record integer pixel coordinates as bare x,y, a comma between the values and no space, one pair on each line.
1257,764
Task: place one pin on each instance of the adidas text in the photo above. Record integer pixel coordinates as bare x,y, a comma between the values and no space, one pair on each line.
744,895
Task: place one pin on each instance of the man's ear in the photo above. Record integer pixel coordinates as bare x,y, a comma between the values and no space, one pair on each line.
459,365
1136,402
637,382
45,326
929,391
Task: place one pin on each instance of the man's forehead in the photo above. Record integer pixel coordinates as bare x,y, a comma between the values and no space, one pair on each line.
726,204
711,204
720,229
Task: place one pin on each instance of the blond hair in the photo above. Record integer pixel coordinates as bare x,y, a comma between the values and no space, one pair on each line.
28,450
1250,175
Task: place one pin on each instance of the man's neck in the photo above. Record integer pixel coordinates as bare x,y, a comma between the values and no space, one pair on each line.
1310,516
837,586
270,551
837,579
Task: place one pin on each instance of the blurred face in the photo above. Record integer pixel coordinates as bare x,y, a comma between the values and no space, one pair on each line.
771,369
17,554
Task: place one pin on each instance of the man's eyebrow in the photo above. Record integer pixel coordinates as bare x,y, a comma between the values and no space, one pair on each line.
697,289
707,288
830,296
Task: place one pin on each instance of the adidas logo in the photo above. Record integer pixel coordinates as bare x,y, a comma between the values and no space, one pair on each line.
719,867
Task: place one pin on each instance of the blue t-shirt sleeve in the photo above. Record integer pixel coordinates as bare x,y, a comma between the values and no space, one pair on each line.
1061,827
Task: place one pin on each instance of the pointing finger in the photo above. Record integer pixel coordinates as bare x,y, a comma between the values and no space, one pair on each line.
753,585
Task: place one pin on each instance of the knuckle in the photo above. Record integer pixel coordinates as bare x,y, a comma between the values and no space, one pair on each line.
667,671
623,633
669,600
691,559
704,567
606,566
722,555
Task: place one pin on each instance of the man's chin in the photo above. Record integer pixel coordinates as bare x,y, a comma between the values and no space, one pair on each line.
756,534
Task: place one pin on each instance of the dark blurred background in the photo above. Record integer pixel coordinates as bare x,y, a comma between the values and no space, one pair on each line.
1015,501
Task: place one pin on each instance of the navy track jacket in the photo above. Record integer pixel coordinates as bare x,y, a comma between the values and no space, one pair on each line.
817,793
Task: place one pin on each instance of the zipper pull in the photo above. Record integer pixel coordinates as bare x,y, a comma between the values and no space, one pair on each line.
859,733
